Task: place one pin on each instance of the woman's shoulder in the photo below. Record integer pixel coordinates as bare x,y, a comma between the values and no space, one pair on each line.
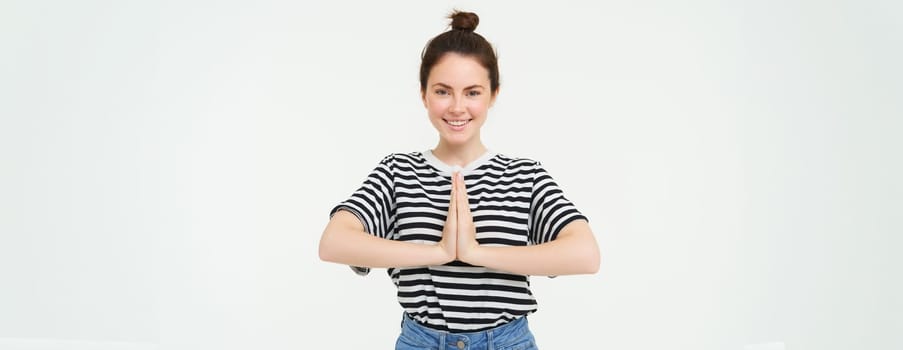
509,161
404,159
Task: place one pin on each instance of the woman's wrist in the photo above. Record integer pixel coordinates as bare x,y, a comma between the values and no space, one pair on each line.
442,253
474,255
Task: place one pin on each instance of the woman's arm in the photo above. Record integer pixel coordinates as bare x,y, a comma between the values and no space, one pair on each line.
346,242
573,251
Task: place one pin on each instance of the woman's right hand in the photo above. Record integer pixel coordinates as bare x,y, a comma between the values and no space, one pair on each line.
449,241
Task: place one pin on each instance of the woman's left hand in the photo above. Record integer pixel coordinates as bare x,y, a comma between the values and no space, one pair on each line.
467,234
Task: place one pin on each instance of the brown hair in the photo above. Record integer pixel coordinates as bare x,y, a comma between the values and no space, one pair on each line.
462,40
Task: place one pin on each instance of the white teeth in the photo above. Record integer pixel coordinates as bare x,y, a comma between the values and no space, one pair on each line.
457,122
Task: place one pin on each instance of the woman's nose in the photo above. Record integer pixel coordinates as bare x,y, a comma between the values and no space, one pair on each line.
458,105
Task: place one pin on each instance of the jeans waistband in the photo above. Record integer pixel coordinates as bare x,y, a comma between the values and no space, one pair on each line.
512,329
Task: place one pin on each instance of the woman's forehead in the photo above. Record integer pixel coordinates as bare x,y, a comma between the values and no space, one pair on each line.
459,71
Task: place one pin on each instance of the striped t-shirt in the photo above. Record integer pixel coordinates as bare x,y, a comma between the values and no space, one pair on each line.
514,202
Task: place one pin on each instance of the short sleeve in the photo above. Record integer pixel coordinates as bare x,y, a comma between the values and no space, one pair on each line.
550,210
373,204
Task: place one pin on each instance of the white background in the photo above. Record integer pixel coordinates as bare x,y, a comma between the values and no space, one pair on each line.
168,167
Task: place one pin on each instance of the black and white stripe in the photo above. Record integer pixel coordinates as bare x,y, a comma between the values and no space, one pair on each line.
514,202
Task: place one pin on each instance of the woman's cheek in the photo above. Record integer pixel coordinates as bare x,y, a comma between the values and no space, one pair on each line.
438,107
478,108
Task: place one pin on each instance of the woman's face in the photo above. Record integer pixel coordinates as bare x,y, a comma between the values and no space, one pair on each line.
457,98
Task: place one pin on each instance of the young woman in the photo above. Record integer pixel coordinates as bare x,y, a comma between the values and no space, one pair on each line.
459,227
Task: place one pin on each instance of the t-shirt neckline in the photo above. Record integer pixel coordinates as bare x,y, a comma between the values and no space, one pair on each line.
447,170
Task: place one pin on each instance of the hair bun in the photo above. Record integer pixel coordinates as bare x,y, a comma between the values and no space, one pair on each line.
464,20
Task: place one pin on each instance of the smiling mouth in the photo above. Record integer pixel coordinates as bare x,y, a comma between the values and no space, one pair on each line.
457,123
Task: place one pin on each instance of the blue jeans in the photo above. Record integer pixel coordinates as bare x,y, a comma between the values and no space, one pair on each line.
514,335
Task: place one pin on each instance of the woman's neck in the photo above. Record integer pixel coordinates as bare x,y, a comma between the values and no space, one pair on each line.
459,155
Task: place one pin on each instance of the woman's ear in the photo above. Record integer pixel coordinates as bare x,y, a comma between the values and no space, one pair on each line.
494,95
423,97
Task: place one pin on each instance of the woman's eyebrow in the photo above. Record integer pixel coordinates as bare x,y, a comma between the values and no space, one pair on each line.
476,86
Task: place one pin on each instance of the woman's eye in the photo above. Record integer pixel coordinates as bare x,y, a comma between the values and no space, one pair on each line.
441,92
473,93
